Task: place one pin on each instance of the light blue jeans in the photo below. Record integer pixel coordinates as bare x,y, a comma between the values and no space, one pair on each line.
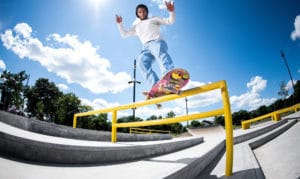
154,50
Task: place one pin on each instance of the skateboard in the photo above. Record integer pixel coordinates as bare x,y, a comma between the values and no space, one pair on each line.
171,83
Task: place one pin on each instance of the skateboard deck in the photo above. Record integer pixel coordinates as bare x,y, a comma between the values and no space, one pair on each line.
171,83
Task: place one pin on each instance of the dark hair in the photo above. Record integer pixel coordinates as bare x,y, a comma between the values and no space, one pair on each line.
140,6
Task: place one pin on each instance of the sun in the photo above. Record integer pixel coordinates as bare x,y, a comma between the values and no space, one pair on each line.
97,3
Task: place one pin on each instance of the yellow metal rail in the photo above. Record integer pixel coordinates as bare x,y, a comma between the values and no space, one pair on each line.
135,130
226,111
275,115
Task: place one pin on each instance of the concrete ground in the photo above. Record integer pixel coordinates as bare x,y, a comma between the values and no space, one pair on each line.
280,158
152,168
275,158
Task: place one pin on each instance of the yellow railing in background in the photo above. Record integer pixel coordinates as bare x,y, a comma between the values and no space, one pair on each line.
275,115
226,111
135,130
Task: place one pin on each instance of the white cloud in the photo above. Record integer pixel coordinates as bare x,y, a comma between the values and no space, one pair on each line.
2,65
251,99
68,57
98,103
289,85
63,86
257,84
200,100
146,112
296,33
160,3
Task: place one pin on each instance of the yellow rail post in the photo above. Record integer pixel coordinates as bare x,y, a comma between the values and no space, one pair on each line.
297,107
114,127
277,116
74,121
229,130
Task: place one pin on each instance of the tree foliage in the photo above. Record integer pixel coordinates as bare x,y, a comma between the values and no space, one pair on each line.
46,94
45,101
283,91
12,89
175,128
238,117
67,106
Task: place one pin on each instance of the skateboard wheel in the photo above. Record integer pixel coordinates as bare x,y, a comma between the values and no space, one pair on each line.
186,76
158,106
179,92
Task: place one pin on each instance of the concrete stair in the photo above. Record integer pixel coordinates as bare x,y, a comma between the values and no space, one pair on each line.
191,157
245,163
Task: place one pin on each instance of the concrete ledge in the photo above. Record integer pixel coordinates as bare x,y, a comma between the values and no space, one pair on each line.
245,163
69,132
256,133
43,152
269,137
198,165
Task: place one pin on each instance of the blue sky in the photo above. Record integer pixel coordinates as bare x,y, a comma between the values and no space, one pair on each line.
76,45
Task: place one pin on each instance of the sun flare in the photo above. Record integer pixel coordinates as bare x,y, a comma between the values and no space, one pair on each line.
97,3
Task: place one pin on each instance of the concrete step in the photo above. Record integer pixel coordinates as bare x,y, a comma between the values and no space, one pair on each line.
52,129
186,163
40,148
280,158
245,164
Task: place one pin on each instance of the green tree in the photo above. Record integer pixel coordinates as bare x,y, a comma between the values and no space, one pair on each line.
295,97
46,93
237,117
219,120
67,106
195,123
101,122
283,91
170,114
175,128
296,94
40,110
127,119
12,88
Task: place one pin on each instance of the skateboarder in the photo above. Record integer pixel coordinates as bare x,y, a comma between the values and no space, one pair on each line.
154,47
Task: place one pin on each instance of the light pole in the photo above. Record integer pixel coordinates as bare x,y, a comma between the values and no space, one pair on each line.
134,81
186,110
287,66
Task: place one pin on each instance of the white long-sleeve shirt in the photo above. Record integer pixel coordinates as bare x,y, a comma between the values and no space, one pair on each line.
148,29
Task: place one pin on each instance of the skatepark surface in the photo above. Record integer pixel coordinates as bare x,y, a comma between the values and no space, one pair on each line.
275,158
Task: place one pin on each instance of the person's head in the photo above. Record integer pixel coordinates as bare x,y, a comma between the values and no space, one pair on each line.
141,11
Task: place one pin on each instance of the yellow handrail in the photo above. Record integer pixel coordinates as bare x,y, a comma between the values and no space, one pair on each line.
226,111
275,115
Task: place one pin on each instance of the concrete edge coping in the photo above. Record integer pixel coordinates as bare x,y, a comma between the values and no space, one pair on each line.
276,132
195,168
52,129
253,134
51,153
260,140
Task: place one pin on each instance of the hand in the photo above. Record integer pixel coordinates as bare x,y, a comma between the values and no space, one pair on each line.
118,19
170,6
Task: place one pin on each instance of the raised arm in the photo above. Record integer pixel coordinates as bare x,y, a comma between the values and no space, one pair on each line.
119,19
170,6
123,32
171,19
